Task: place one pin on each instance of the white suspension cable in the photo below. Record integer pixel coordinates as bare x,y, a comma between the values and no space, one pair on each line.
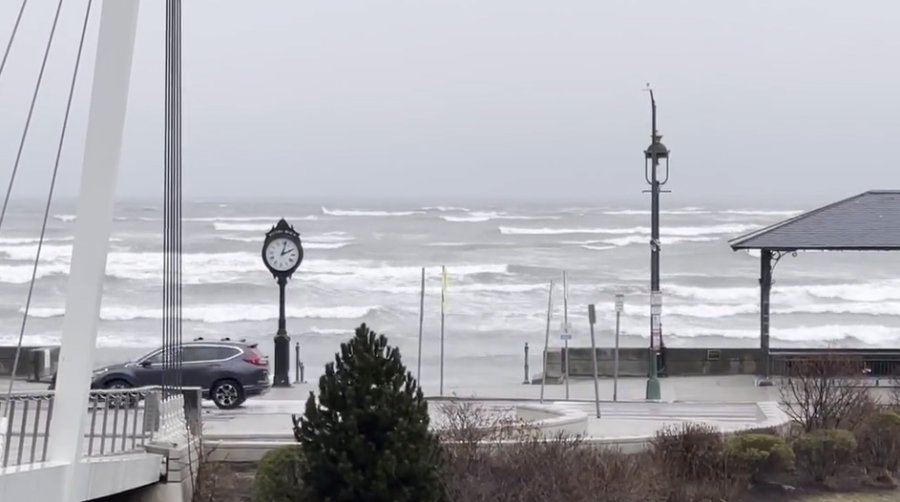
37,89
12,36
40,244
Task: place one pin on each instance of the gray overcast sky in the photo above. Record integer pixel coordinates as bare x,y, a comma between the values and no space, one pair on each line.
325,99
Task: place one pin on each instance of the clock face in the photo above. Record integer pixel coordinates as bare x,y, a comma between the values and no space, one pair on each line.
282,254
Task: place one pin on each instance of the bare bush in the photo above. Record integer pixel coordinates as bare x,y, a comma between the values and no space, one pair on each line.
826,392
469,422
562,468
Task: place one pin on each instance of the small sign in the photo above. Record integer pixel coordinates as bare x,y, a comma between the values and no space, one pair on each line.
565,336
620,303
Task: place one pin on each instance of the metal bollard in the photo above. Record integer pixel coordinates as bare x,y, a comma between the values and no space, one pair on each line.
297,378
526,380
302,376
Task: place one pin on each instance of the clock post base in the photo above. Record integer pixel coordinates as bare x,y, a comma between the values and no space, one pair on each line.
282,360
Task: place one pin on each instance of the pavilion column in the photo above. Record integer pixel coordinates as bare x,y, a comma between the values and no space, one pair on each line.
765,288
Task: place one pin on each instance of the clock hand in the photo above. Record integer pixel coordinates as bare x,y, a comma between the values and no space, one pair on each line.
284,249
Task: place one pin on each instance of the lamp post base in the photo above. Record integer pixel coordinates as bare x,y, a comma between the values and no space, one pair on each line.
653,391
282,361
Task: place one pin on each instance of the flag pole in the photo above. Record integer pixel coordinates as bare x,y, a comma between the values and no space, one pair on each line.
546,340
566,329
443,298
421,322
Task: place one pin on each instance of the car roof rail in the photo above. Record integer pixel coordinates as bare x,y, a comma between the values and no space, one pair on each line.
198,339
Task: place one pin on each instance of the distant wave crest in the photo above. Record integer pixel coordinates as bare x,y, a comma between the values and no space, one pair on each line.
360,212
218,313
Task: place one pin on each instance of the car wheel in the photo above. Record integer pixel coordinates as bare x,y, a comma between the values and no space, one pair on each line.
120,400
227,394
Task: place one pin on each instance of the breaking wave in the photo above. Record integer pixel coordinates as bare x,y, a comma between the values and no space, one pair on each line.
482,216
222,313
359,212
671,231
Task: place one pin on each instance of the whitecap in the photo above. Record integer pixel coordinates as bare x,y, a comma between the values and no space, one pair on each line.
359,212
221,313
671,231
754,212
445,209
482,216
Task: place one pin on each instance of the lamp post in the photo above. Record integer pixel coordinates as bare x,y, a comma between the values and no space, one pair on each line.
652,156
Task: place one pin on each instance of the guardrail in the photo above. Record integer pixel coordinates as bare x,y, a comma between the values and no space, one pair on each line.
119,421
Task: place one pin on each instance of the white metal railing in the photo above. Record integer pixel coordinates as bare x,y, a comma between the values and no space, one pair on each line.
119,421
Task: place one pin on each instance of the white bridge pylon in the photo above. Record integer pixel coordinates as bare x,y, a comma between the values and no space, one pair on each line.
103,146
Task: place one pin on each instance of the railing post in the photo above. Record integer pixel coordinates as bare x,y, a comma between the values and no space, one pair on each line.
192,413
151,413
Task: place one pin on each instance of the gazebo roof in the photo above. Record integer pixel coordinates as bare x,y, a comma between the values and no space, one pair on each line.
868,221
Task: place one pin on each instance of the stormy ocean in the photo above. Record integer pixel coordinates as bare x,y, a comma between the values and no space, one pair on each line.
363,264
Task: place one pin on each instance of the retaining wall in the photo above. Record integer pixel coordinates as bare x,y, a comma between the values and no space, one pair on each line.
676,362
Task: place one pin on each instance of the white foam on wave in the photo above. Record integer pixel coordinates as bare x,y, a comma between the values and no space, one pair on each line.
754,212
445,209
264,220
247,225
306,244
671,231
21,274
482,216
719,310
18,241
598,248
221,313
64,217
706,311
645,212
49,252
869,334
361,212
206,268
455,289
876,291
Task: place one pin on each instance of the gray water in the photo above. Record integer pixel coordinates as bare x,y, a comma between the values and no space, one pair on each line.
363,264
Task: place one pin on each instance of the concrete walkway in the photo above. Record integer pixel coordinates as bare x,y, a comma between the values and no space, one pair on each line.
725,402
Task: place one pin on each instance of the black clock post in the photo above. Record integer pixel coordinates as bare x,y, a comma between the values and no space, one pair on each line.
282,253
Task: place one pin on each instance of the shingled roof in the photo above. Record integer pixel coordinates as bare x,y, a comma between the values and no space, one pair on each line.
868,221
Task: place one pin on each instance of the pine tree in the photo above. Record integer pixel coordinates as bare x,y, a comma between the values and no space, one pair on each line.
366,437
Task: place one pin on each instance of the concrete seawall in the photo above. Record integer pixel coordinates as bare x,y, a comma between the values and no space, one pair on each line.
677,362
35,363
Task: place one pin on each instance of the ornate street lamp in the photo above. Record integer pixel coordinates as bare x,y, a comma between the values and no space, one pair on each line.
652,156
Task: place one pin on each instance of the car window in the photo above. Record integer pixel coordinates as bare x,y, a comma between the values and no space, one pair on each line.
156,358
194,354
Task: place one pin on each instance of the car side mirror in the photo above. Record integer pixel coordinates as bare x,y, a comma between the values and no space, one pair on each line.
146,364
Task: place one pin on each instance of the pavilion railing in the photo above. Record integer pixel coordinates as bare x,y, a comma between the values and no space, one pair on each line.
879,368
118,421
